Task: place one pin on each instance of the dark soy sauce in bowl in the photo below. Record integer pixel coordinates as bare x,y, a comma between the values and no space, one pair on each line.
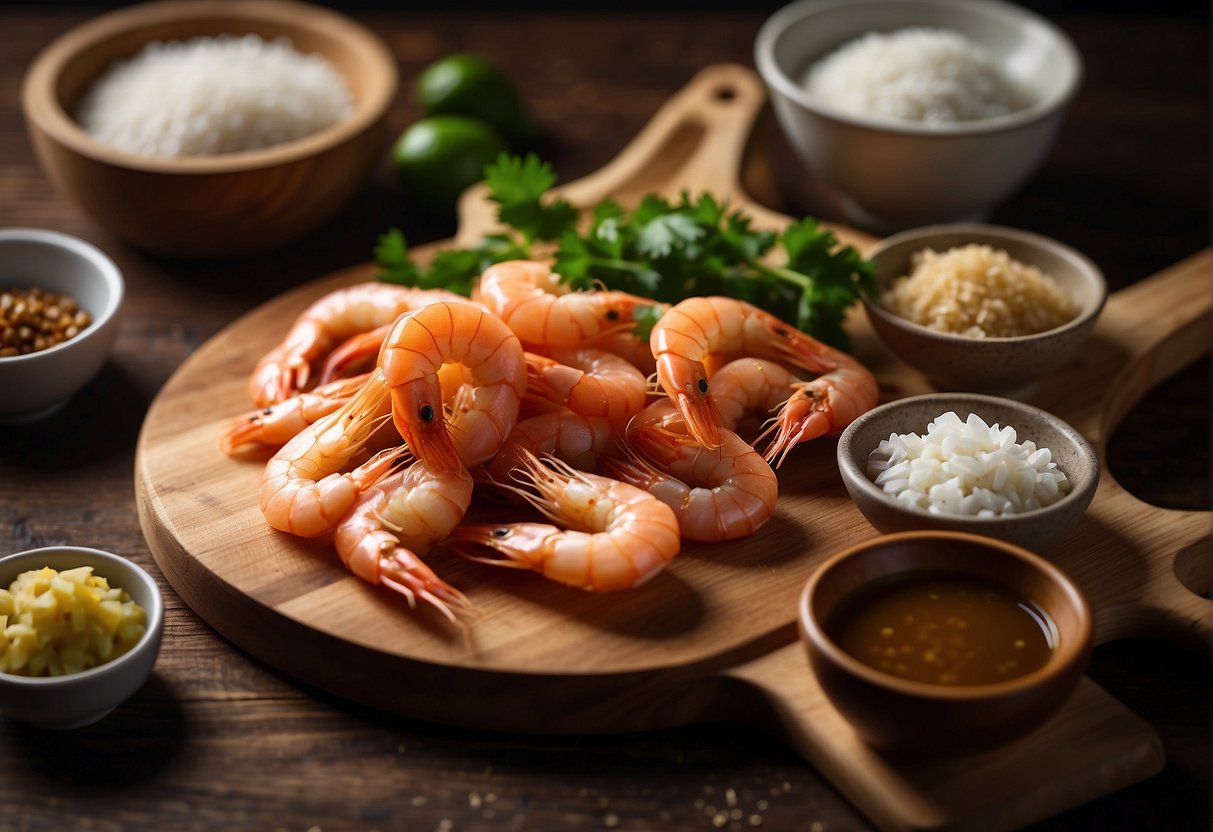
943,629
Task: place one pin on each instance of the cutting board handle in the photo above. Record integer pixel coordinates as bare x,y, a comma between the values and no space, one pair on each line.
1103,747
702,135
1144,568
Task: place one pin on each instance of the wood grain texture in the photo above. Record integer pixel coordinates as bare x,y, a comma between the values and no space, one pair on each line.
545,658
219,740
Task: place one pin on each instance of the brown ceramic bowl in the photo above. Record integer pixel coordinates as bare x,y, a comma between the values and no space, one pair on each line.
221,206
986,365
1036,530
907,717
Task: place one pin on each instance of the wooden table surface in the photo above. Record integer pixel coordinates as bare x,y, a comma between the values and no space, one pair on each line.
217,740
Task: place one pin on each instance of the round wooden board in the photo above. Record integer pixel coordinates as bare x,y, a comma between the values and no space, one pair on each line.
540,656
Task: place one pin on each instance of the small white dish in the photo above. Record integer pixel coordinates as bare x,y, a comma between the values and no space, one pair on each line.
79,699
38,384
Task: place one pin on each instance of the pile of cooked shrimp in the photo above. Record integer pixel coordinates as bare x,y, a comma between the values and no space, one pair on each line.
385,407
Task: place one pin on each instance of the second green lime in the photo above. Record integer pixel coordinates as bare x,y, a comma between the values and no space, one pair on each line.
439,157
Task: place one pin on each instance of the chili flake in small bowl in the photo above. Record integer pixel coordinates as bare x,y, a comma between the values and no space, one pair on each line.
34,319
60,300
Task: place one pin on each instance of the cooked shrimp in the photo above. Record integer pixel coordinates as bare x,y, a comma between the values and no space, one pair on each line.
362,347
395,522
526,295
821,406
628,346
617,537
304,490
587,381
700,327
288,367
717,493
263,431
416,349
750,385
570,437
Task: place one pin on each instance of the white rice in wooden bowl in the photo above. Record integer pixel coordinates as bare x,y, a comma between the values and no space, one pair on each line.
967,467
978,292
213,95
917,74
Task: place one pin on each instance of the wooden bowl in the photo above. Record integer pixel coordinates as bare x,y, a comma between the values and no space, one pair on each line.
1003,366
219,206
1037,529
924,719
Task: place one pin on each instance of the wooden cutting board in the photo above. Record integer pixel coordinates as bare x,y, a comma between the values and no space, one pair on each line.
714,636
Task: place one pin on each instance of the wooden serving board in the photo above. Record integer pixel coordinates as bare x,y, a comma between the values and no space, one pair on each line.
714,636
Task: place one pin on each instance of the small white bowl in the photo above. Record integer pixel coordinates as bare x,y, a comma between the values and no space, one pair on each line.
890,175
80,699
37,384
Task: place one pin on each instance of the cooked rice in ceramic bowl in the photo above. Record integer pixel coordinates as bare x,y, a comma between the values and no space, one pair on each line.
917,111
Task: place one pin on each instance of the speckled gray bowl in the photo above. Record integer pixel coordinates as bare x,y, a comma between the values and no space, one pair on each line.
1036,530
1001,366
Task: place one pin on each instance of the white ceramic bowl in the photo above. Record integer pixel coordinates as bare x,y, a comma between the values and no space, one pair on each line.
37,384
80,699
891,175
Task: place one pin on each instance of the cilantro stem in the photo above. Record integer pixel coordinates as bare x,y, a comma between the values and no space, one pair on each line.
616,264
803,281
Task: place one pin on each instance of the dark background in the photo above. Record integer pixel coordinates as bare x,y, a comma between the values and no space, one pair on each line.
1171,8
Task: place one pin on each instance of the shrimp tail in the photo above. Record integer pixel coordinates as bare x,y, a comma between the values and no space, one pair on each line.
354,349
804,418
405,573
242,439
276,381
378,558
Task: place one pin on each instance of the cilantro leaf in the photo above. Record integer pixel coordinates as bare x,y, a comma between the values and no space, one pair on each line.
662,249
659,236
392,255
518,186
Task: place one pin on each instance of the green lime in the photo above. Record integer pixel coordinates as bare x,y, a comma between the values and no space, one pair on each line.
468,84
439,157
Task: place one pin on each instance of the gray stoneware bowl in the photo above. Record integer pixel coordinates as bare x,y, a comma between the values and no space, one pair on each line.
37,384
1036,530
80,699
890,174
987,365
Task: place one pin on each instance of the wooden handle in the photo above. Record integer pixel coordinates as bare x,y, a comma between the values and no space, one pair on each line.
698,136
703,135
1092,746
1138,564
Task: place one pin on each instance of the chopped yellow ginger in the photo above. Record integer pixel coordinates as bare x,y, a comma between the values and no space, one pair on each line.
54,623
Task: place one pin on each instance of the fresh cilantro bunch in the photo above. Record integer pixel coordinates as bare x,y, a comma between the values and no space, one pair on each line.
665,250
